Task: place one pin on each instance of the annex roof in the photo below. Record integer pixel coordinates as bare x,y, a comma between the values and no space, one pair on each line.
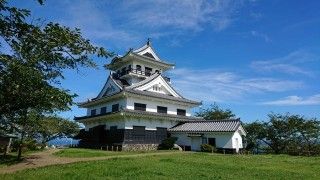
208,126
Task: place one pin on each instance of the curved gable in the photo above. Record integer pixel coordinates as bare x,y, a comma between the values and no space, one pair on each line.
110,87
159,85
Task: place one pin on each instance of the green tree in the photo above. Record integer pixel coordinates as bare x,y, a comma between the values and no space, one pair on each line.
214,112
51,127
255,134
286,133
34,65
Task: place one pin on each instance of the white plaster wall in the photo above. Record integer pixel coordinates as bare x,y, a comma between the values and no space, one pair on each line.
223,140
149,124
121,102
234,137
152,105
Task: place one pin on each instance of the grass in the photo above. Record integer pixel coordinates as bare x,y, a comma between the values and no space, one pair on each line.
182,166
84,153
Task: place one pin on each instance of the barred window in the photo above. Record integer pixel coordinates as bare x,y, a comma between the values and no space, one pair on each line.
140,107
115,107
139,131
103,110
93,112
161,109
181,112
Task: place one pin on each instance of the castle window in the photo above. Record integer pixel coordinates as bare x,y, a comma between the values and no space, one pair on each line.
115,107
148,71
161,109
93,112
140,107
103,110
139,131
181,112
138,67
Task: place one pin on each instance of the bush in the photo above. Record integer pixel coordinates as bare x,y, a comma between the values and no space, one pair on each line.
168,143
207,148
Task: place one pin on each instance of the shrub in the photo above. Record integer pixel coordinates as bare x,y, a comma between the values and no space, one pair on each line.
168,143
207,148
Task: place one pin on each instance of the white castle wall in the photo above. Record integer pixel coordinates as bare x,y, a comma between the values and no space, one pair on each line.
152,105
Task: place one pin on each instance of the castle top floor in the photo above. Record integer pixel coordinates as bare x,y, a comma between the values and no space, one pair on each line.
141,62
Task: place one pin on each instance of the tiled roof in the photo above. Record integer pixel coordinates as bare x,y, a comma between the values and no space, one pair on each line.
208,126
144,113
177,117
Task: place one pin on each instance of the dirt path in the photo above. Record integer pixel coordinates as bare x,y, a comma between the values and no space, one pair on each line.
46,158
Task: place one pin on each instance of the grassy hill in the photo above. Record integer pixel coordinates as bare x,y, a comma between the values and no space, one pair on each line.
181,166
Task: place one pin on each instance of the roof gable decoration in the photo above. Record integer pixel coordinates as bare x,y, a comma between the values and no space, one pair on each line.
159,85
147,51
110,87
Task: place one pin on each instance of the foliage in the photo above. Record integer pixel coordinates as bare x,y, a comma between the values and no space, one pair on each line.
207,148
181,166
33,66
214,112
168,143
51,127
290,134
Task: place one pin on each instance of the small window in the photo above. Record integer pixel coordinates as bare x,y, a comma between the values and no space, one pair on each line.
115,107
148,71
140,107
161,109
93,112
139,131
181,112
212,141
138,67
103,110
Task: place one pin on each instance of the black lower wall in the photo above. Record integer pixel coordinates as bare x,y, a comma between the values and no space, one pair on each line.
98,137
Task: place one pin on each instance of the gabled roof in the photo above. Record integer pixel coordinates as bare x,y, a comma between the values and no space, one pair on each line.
147,51
209,126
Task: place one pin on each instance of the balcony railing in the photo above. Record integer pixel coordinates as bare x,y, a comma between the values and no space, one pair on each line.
133,71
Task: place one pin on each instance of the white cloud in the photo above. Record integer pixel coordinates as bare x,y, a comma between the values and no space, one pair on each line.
185,14
295,101
212,85
126,23
289,64
261,35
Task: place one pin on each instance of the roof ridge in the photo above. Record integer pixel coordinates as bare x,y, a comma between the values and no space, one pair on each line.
218,120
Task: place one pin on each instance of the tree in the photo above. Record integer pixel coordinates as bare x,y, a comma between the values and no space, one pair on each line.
214,112
286,133
255,134
29,75
52,127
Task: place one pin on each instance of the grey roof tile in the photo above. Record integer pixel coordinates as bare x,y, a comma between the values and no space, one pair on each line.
208,126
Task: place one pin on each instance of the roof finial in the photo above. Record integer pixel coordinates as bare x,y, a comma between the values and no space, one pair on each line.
149,42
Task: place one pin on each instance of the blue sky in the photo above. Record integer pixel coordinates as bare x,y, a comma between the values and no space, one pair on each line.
252,56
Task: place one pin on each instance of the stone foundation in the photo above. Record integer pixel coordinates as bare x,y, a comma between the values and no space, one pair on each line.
139,147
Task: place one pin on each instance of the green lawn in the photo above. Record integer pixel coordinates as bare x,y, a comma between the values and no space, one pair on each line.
78,152
183,166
